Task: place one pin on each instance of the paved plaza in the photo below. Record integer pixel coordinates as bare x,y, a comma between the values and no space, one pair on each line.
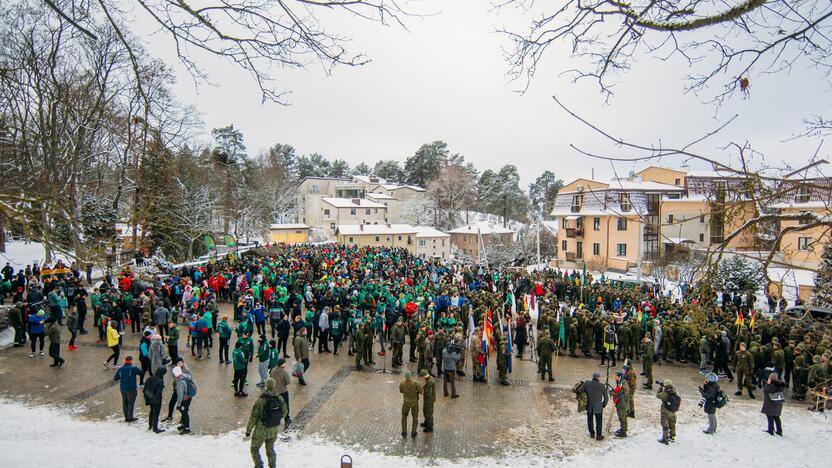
349,407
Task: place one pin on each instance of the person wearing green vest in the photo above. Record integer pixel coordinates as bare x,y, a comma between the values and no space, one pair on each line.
224,332
240,369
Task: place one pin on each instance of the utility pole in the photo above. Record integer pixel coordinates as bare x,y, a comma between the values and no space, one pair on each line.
640,242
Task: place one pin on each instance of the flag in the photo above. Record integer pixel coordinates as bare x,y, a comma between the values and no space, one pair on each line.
753,319
488,329
508,347
583,276
484,356
513,305
470,328
740,320
638,309
562,334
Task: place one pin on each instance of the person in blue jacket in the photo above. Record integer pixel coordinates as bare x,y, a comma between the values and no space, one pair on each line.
259,314
37,330
126,377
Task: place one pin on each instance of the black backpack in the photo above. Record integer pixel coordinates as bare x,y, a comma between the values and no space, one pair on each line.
673,402
272,411
720,400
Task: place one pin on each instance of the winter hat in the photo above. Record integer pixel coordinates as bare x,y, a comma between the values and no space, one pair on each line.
408,375
128,360
270,384
423,373
177,371
281,362
711,377
596,375
41,313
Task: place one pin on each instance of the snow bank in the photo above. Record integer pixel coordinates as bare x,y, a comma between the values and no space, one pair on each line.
48,437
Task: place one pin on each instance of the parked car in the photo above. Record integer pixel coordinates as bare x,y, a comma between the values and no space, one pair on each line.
816,313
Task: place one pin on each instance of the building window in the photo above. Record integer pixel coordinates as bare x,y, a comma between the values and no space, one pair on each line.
332,225
670,219
596,248
303,221
621,250
596,224
421,242
367,211
352,211
677,182
563,245
313,188
400,237
702,219
624,201
388,238
564,223
803,194
622,224
326,212
376,211
577,202
579,249
701,237
443,242
579,223
804,243
376,238
351,239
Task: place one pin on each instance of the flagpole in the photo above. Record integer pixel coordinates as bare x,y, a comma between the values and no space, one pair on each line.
557,355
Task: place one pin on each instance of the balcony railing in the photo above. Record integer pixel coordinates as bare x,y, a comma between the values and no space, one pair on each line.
574,232
570,256
576,208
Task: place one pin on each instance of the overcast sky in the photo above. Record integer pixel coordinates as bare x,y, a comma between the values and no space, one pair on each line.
446,79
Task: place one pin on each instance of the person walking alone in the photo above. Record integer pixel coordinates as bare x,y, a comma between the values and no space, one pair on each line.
710,391
53,332
263,422
126,377
596,401
773,397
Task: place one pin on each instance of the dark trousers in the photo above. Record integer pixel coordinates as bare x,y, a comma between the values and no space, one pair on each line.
173,351
239,379
114,356
153,418
81,317
55,353
721,365
224,349
772,422
273,325
128,403
33,337
145,362
19,335
185,420
72,338
323,342
171,403
261,327
336,341
598,417
285,396
449,378
281,344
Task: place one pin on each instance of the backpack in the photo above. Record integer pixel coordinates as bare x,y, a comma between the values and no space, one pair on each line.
720,400
673,402
272,411
190,388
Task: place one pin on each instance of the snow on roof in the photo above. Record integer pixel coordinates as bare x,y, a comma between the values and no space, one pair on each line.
370,179
427,231
352,203
288,226
380,196
482,228
551,226
383,229
676,240
587,212
393,187
635,184
807,205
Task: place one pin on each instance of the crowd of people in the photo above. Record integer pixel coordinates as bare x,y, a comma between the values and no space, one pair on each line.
288,300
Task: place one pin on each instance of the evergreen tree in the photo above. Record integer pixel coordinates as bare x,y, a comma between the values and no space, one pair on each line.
823,279
423,166
389,169
542,193
362,169
738,274
339,168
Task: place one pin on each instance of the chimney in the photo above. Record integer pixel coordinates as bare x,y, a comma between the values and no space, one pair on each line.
360,227
374,179
356,201
388,225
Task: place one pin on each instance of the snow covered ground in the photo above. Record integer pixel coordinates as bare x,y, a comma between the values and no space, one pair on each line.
48,437
20,254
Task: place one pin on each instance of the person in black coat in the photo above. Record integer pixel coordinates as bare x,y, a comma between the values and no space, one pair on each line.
773,398
709,392
596,400
153,389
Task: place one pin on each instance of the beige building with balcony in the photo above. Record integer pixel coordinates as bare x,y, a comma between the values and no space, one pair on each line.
341,211
383,235
471,238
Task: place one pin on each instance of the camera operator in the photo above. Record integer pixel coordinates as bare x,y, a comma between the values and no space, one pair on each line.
450,358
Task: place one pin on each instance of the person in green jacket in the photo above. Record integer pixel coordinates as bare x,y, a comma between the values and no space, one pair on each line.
263,360
336,329
429,398
173,340
262,429
240,368
224,332
274,355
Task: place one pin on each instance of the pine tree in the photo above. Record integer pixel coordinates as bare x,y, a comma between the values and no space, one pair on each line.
823,279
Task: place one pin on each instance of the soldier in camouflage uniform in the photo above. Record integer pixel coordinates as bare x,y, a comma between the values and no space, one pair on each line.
631,377
476,351
744,362
261,433
358,339
586,339
545,349
647,354
622,399
573,338
428,399
410,391
397,339
502,361
668,418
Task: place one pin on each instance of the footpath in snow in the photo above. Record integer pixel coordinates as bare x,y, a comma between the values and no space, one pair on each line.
49,437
